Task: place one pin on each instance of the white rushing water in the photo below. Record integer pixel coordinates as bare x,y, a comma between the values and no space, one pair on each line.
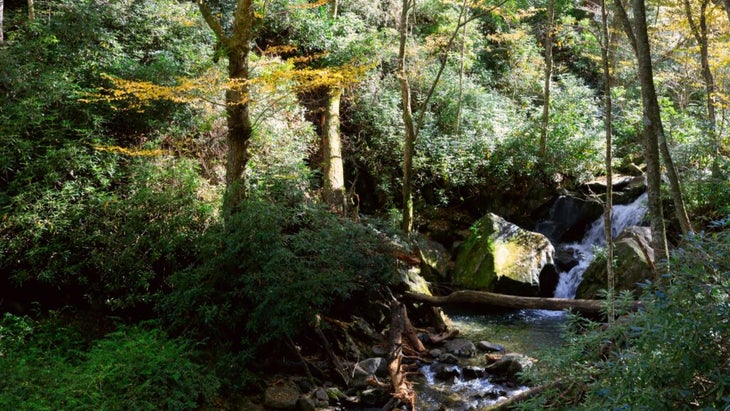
623,216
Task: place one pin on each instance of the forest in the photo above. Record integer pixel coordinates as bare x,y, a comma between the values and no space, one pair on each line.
245,204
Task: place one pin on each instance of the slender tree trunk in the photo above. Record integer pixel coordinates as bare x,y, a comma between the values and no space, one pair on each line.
2,33
461,71
31,10
334,6
410,131
639,38
545,123
240,128
334,182
608,118
726,3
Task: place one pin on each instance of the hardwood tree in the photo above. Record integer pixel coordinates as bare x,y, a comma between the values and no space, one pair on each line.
236,44
548,75
2,9
636,31
407,114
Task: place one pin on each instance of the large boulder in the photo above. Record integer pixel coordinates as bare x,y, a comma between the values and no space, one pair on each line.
502,257
632,248
568,218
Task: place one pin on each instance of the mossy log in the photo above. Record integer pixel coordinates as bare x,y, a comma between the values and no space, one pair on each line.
589,307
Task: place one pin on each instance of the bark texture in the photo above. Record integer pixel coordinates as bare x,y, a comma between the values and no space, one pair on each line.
410,130
334,182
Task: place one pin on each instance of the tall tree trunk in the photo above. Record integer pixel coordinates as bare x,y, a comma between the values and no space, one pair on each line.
608,118
545,123
639,38
31,10
410,131
459,102
334,182
240,128
2,33
334,6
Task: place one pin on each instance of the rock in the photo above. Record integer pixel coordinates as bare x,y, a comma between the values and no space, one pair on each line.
435,353
374,397
472,373
335,395
549,278
248,405
460,347
487,346
502,257
413,280
445,372
321,398
434,259
631,248
568,218
306,404
447,358
509,365
281,396
371,366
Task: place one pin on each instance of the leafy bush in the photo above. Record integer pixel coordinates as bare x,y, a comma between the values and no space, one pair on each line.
93,228
269,271
47,366
672,354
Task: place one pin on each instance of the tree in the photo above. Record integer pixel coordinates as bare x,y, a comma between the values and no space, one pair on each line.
548,74
605,42
2,8
639,39
236,46
334,175
407,113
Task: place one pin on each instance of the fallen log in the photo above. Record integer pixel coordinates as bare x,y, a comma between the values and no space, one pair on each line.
590,307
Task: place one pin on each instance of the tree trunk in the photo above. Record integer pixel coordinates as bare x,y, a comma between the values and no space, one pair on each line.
726,3
639,38
459,101
240,128
608,118
410,131
401,387
2,33
334,182
591,307
545,123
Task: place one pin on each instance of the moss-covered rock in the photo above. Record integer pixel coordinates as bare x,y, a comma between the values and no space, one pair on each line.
632,248
501,257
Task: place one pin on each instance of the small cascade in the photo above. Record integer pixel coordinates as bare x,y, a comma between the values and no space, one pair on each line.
623,216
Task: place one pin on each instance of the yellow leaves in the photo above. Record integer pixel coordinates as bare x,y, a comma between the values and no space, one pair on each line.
312,5
130,151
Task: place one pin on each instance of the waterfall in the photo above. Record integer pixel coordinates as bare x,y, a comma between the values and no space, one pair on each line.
623,216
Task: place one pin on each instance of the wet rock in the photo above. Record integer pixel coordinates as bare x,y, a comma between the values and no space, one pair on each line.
447,358
472,373
445,372
435,353
460,347
509,365
434,259
487,346
282,396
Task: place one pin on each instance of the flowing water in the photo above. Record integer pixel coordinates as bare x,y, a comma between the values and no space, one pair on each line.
623,216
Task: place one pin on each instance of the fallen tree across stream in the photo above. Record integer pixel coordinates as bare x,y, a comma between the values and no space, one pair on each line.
589,307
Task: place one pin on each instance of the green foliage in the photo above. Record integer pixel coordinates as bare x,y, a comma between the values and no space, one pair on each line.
100,228
270,271
673,353
48,366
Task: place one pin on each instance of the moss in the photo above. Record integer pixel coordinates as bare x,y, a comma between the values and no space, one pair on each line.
475,261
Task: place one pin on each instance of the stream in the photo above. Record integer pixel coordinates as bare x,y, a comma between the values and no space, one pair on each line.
531,332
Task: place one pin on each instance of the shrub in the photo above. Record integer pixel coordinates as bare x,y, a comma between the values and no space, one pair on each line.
48,366
268,272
